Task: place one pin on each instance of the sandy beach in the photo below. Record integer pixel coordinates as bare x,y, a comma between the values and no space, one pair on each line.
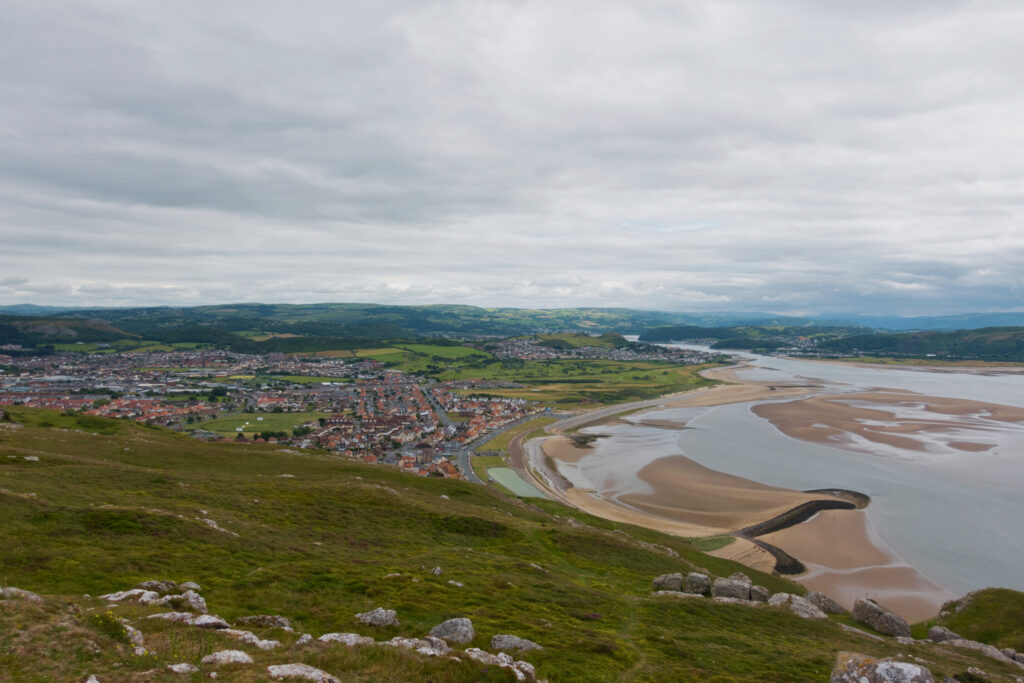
837,546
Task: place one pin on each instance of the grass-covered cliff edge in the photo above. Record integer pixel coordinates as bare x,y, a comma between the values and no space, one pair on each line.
90,506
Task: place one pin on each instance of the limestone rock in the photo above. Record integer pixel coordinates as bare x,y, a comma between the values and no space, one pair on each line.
857,631
760,594
134,634
741,577
264,621
301,671
941,634
251,638
209,621
190,586
668,582
987,650
458,630
523,671
17,593
349,639
162,587
509,642
140,595
378,617
303,639
677,594
436,571
227,657
430,646
730,588
797,605
92,677
736,601
851,667
187,600
954,606
825,603
182,617
183,668
697,583
869,612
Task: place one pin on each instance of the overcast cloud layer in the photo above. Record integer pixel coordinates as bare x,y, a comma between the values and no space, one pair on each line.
802,156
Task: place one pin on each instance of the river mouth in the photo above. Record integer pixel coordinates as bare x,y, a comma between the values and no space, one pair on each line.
943,470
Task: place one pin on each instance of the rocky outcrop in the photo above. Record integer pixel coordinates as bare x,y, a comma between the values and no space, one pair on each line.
187,600
940,634
378,617
458,630
265,621
730,588
190,586
250,638
142,596
668,582
430,646
523,671
869,612
349,639
183,668
226,657
825,603
303,672
954,606
202,621
162,587
11,593
741,577
797,605
508,642
697,583
851,667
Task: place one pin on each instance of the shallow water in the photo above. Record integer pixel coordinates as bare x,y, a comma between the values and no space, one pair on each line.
954,515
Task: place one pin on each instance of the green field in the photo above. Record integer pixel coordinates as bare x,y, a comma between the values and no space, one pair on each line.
258,422
110,503
501,441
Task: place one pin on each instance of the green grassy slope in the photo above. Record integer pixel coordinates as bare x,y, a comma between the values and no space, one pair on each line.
111,503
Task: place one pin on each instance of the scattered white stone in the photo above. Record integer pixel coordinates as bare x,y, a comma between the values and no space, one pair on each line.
303,671
436,571
303,639
134,634
177,617
140,651
190,586
251,638
216,527
32,458
183,668
510,642
139,595
287,476
11,593
457,584
378,617
209,621
349,639
523,671
679,594
430,646
190,598
444,497
227,657
392,575
92,679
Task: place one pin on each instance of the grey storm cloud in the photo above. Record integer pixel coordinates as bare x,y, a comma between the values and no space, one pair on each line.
788,156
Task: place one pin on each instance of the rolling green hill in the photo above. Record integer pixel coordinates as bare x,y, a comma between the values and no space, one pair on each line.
990,343
90,505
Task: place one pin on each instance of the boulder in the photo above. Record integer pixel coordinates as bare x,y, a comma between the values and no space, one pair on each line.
182,617
227,657
183,668
301,671
760,594
190,586
210,621
430,646
250,638
187,600
349,639
436,571
869,612
140,595
458,630
668,582
162,587
509,642
264,621
797,605
378,617
12,593
851,667
741,577
730,588
303,639
940,634
523,671
825,603
697,583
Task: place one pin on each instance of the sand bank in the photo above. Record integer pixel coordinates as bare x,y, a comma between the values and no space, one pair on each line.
900,419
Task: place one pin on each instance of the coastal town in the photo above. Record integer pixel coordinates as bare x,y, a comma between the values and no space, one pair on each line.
357,407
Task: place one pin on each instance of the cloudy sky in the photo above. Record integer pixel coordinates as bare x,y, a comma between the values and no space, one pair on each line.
785,156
